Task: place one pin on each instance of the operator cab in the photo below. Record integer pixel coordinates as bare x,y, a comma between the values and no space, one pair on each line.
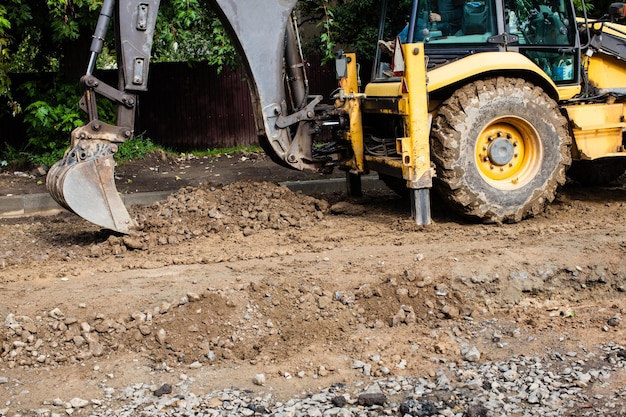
545,31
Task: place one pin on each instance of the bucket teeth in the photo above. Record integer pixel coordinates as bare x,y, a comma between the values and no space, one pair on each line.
83,182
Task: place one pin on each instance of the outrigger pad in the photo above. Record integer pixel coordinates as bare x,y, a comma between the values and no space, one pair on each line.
87,188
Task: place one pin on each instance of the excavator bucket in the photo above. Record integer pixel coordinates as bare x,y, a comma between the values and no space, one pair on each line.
83,183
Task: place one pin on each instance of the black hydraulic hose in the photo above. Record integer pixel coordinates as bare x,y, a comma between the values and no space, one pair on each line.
410,37
100,33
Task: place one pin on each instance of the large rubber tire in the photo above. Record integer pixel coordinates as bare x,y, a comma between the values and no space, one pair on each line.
501,149
597,172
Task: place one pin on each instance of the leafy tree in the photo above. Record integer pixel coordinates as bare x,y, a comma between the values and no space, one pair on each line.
55,36
351,25
5,81
50,35
189,31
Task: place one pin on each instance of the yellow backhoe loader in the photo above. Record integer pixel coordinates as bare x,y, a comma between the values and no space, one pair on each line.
492,107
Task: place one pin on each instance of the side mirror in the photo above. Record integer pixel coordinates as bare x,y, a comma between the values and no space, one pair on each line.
341,65
617,11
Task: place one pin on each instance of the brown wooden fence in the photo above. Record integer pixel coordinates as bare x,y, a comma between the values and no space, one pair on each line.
190,107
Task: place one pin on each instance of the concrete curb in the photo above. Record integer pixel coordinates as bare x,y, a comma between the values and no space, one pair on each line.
42,204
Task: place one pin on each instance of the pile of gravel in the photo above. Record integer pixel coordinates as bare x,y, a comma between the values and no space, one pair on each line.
556,384
192,212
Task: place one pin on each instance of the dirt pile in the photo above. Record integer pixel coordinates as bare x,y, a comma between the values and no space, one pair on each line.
193,212
255,322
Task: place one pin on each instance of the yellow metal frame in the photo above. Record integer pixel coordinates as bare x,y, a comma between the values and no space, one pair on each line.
415,148
605,71
597,129
412,96
350,101
485,62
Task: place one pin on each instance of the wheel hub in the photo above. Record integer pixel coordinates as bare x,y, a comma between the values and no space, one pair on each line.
508,153
501,151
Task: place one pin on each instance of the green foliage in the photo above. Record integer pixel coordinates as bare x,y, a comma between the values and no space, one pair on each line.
50,116
351,25
188,31
136,148
222,52
358,21
227,151
140,146
5,25
68,16
578,4
13,158
48,158
44,33
328,34
5,82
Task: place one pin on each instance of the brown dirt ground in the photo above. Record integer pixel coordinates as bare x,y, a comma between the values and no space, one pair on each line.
248,277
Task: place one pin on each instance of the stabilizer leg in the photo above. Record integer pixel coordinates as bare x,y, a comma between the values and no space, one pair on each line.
353,185
420,205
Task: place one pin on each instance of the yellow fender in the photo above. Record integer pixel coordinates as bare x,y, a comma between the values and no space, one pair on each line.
497,63
475,65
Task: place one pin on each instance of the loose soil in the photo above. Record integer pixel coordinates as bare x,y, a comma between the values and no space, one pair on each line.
234,276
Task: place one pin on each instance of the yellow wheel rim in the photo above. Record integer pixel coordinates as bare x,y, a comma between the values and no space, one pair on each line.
508,153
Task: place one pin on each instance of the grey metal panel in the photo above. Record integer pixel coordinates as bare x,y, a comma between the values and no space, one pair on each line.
137,22
257,27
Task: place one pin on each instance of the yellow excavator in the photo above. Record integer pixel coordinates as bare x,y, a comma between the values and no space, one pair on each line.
492,103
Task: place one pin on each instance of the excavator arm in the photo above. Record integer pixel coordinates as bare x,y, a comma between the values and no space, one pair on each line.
265,37
276,76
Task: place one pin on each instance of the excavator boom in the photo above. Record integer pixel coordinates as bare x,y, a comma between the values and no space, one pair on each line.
83,181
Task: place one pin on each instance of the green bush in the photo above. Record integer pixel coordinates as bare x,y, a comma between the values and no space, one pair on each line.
227,151
136,148
50,116
14,159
